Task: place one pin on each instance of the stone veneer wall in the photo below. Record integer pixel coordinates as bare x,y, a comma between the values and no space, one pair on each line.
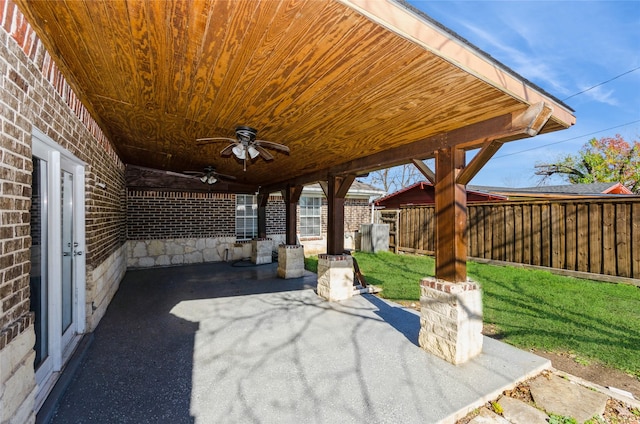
34,94
175,228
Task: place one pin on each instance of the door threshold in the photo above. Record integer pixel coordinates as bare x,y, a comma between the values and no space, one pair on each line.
48,408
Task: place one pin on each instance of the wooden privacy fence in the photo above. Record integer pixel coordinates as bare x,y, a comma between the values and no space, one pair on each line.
600,236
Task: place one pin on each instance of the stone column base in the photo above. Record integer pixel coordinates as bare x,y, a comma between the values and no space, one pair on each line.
290,261
261,251
450,319
335,277
17,379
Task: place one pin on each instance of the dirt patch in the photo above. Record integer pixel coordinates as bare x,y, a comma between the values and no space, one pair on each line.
593,372
616,412
590,371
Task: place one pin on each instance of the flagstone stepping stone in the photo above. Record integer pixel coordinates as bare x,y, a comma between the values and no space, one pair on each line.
518,412
560,396
487,416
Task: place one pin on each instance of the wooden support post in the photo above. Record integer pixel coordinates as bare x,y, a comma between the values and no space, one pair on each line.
263,198
451,217
337,189
291,197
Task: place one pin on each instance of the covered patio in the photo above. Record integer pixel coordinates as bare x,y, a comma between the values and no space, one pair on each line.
220,343
104,107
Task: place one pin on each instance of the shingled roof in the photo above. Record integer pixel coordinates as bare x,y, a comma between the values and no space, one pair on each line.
593,189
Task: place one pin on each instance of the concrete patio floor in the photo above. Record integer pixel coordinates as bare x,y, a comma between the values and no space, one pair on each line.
217,343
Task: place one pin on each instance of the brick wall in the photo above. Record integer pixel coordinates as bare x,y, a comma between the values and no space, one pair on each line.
276,216
200,227
34,94
153,215
356,212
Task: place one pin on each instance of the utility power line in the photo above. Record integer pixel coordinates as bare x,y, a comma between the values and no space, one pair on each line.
568,139
584,135
602,83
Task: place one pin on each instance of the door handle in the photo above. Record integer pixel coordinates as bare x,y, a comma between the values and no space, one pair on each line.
66,253
78,253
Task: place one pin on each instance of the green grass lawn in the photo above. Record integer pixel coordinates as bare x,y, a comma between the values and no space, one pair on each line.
531,309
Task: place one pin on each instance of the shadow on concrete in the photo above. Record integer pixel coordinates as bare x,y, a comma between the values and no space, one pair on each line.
215,344
406,322
139,367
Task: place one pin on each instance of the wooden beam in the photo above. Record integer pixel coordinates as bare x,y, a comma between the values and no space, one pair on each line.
503,128
150,179
344,185
533,119
335,216
425,170
291,198
479,160
451,217
263,198
325,188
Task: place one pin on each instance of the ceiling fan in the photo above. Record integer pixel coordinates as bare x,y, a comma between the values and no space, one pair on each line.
209,175
245,146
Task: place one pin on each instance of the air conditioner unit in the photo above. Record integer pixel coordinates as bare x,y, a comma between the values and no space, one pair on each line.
374,237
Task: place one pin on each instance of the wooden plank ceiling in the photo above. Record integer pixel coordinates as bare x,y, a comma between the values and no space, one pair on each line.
329,80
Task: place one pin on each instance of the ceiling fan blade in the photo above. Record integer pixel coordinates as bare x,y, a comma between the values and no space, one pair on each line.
227,151
224,176
272,145
265,155
181,174
214,139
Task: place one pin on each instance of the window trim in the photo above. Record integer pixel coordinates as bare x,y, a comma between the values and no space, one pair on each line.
245,218
316,213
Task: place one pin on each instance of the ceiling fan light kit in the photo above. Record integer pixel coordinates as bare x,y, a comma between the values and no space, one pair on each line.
209,178
246,146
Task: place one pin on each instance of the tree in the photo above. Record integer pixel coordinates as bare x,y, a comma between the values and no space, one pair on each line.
396,178
610,159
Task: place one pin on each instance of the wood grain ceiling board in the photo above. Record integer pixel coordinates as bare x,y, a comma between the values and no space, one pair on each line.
316,75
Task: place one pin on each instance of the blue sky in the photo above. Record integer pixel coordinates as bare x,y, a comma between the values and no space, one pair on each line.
564,47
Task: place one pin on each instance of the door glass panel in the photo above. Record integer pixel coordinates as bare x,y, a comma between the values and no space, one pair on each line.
66,191
38,281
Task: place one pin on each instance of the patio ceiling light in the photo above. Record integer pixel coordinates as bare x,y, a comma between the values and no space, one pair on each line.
208,178
241,150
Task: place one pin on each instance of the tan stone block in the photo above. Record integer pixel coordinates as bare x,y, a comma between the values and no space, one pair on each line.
210,255
335,279
156,248
146,262
174,248
139,249
13,354
451,324
193,258
25,413
18,378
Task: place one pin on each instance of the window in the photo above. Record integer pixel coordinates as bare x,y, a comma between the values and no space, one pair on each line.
246,217
310,216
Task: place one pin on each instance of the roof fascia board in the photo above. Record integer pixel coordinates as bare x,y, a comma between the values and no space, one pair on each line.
409,25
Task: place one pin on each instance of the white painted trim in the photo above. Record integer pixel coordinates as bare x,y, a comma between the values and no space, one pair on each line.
59,158
48,144
54,261
80,269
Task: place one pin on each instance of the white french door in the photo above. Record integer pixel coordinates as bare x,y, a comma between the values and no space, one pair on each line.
57,256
